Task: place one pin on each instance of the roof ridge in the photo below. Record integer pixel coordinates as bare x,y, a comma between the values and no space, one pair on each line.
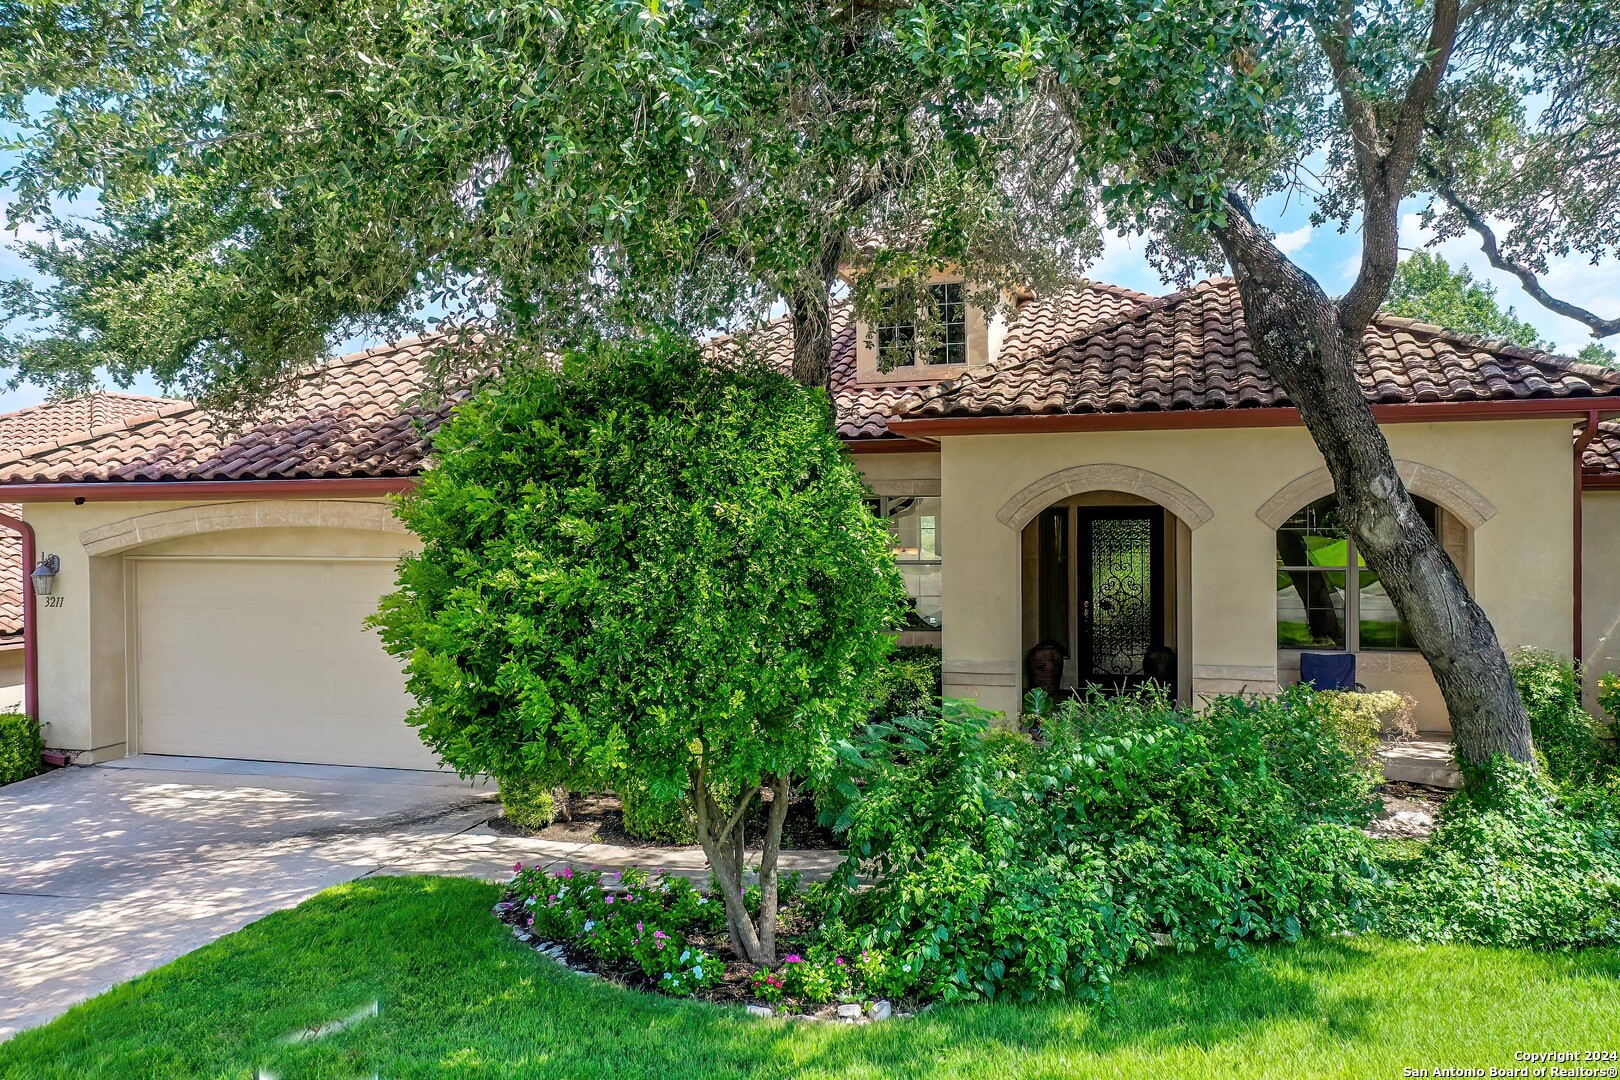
99,392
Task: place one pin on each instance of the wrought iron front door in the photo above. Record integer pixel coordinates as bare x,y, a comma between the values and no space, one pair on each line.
1119,581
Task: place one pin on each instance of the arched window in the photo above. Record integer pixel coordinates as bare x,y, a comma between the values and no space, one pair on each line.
1321,602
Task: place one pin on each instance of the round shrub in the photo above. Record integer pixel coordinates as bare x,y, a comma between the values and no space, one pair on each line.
528,803
1360,718
20,747
641,565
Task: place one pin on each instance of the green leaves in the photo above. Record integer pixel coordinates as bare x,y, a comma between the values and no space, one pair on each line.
1427,288
1002,866
636,562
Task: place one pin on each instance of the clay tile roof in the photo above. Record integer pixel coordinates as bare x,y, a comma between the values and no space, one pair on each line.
1603,453
1091,347
1190,350
355,416
863,412
54,420
43,423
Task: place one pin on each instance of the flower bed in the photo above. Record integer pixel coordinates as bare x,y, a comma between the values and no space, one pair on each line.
666,935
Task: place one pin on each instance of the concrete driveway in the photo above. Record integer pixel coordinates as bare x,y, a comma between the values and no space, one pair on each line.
111,870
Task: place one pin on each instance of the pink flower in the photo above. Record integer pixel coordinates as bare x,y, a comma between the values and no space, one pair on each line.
609,899
517,868
839,960
566,873
792,958
638,927
656,933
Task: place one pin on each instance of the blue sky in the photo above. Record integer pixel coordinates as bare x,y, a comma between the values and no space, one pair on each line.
1331,257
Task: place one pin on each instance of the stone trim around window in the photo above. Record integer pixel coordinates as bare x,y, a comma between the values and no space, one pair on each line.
1438,486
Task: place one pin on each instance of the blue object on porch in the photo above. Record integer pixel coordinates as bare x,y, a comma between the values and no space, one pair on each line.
1328,670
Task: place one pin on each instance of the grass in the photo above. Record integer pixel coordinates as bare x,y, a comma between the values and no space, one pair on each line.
460,998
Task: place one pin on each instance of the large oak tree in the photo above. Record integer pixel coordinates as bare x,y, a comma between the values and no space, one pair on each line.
1503,107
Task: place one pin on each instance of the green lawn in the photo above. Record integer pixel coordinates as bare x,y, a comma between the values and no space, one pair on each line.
460,998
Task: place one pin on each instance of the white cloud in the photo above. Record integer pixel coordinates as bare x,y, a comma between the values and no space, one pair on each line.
1122,263
1290,242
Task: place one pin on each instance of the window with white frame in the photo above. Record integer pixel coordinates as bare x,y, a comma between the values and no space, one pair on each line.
1327,598
914,532
897,343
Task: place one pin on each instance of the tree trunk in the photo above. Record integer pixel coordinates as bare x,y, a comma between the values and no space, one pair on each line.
1299,336
767,865
723,843
810,303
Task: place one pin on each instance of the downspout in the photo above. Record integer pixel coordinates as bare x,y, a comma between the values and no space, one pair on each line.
30,638
1582,440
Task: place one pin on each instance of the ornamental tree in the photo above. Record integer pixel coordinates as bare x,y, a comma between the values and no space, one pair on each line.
640,565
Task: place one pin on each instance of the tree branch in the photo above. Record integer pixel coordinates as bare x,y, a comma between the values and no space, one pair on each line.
1596,323
1384,178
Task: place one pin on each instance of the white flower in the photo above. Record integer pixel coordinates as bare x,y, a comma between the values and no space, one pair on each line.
702,900
589,924
686,955
905,967
697,971
529,902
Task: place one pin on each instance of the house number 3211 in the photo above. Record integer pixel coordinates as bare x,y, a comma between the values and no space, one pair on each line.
52,601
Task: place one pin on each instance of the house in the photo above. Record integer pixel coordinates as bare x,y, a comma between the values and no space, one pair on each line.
19,430
1104,471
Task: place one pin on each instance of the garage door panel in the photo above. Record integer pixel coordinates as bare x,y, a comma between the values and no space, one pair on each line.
270,659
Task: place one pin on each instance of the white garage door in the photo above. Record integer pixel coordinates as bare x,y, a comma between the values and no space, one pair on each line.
267,659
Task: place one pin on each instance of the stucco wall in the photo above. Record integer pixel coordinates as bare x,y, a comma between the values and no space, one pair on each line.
84,643
1520,553
12,669
1600,569
1520,556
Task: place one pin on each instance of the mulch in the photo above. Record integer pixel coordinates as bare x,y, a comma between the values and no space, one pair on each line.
599,819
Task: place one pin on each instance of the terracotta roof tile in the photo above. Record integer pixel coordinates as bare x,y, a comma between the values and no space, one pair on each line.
1190,350
1088,348
55,420
356,416
1603,452
863,412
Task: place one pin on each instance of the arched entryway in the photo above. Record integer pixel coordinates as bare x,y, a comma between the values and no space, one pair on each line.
1106,579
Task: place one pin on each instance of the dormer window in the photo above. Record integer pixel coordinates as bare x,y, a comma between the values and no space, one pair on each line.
897,343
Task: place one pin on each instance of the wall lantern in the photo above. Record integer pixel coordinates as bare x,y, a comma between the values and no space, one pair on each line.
44,575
